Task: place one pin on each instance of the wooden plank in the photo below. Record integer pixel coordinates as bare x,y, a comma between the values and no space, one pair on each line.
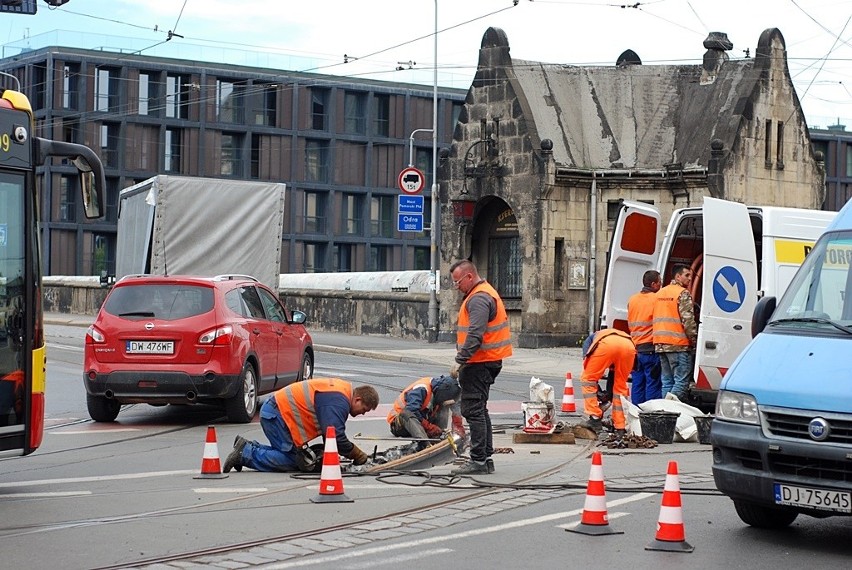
562,437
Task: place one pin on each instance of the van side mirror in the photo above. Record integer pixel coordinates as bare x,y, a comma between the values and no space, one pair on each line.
762,312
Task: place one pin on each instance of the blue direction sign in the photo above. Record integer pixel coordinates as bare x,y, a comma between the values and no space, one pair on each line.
409,222
410,204
729,289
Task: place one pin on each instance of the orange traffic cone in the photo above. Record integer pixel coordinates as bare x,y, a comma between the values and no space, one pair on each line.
331,480
569,406
594,520
210,467
671,536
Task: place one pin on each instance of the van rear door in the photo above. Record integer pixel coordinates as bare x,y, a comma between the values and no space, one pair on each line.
729,290
633,251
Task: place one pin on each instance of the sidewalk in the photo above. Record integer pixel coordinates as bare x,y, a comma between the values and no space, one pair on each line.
547,363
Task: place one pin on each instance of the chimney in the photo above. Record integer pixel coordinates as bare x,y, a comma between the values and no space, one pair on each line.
717,43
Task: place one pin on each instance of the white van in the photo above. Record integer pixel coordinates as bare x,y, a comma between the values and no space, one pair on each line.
737,253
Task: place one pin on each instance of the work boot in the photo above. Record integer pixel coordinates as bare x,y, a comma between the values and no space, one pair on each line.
471,468
235,458
620,433
592,423
489,464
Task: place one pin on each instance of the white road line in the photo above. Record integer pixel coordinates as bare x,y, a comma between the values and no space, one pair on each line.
202,490
92,431
44,495
65,347
96,479
573,525
404,558
447,537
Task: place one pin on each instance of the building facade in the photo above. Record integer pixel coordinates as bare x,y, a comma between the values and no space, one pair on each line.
835,143
338,143
543,154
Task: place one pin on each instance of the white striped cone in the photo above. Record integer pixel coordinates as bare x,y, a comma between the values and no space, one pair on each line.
594,520
210,466
331,480
671,536
569,406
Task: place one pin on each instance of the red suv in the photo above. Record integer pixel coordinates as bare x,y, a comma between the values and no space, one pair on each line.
185,340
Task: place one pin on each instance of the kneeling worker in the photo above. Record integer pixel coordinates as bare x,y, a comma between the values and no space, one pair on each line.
295,415
423,409
608,348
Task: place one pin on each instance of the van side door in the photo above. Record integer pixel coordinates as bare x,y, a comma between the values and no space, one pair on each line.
633,250
729,290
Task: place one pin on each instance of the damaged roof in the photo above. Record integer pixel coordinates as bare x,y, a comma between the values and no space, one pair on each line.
634,116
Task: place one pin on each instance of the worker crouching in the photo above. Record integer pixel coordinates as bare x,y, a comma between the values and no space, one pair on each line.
423,410
608,348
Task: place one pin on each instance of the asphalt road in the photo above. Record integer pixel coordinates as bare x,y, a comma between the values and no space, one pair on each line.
112,495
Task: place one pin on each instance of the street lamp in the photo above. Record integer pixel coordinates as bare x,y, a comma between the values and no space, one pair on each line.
434,262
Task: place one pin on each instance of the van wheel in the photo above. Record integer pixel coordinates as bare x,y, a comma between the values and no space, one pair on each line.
102,409
307,371
760,516
242,407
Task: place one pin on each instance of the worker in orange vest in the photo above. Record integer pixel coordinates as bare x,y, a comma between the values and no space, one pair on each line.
675,333
424,408
608,348
640,321
483,340
297,414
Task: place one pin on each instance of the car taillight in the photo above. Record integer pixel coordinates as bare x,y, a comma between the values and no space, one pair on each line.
221,335
93,335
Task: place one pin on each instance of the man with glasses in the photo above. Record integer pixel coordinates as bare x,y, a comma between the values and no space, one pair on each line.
483,340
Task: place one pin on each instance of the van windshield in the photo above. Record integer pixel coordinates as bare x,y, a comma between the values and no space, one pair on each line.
817,296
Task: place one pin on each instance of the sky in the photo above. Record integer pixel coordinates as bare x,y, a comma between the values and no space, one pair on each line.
393,40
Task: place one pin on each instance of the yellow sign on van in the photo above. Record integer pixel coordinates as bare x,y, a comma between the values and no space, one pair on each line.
790,251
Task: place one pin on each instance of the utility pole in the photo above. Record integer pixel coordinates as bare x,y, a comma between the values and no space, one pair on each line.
434,262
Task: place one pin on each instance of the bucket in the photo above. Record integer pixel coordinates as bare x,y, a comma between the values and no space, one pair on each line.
659,425
703,425
538,416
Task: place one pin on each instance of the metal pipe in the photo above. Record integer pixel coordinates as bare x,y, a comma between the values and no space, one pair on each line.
434,262
593,222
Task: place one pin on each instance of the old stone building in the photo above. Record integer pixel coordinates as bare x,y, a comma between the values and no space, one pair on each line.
542,154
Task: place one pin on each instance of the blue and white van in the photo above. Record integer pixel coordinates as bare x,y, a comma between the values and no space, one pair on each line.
782,436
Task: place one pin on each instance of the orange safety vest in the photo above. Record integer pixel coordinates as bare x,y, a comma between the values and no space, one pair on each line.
399,404
668,328
296,404
640,317
497,339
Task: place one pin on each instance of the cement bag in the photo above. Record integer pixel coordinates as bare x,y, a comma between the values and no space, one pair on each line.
631,416
685,429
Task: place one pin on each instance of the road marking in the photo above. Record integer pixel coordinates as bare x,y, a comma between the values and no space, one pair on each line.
573,525
44,495
94,430
349,554
398,559
211,490
66,347
96,479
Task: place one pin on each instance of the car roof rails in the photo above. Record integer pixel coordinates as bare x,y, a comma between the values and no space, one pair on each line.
234,277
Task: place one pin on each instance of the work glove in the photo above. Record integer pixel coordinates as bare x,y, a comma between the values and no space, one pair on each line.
433,431
357,456
454,370
458,426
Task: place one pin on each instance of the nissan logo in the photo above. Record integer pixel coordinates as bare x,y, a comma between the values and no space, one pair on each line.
149,326
818,429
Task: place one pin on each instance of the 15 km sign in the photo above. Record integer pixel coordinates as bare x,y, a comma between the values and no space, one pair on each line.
411,180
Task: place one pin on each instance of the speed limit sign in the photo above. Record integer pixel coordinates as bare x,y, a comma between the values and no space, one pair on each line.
411,180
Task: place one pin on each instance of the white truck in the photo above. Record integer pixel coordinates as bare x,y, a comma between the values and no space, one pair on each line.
737,253
201,226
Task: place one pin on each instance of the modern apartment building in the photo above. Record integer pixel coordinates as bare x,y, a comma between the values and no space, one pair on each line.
835,143
337,142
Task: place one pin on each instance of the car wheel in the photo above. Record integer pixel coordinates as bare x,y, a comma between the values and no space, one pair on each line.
307,371
242,407
102,409
760,516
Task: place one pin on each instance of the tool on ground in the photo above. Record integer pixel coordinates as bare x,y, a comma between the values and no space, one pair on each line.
372,438
210,466
331,479
671,536
595,521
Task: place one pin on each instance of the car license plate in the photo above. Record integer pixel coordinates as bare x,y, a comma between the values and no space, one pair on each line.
150,347
813,498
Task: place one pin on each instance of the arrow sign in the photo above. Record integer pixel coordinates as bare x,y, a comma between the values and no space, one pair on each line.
729,289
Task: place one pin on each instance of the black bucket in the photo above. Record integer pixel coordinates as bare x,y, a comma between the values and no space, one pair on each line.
703,425
659,425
